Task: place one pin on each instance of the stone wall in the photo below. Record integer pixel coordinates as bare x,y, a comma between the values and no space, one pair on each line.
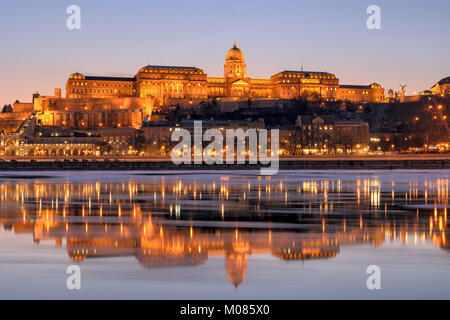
126,112
11,121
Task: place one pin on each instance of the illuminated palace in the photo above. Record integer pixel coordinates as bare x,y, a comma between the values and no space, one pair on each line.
188,85
101,102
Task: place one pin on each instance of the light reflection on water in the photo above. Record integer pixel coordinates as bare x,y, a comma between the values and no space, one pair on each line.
184,220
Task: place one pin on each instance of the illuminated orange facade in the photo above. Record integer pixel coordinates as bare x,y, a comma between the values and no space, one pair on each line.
159,82
188,85
108,112
124,102
371,93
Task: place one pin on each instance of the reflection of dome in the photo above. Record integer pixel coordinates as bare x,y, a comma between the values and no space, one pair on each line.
236,266
77,76
240,246
235,54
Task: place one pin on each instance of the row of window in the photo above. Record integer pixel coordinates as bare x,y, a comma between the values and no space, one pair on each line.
115,91
192,90
115,139
320,128
354,92
305,75
172,84
158,70
350,98
103,84
158,77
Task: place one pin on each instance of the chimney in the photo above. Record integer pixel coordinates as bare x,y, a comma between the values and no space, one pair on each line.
57,93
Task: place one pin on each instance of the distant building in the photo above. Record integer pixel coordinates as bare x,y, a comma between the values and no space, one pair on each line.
50,147
442,87
190,85
322,134
96,102
11,121
353,93
351,136
158,134
85,113
56,142
117,141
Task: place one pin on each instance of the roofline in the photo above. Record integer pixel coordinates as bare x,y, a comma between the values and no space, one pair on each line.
107,78
171,67
305,72
354,86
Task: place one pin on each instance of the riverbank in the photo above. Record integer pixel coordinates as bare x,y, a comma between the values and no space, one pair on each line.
286,163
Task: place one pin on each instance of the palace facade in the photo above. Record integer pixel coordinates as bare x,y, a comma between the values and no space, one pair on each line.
94,102
189,85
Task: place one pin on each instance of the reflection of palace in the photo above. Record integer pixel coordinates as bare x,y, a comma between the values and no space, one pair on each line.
157,246
109,219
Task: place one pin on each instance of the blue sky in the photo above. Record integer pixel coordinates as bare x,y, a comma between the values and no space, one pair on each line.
118,37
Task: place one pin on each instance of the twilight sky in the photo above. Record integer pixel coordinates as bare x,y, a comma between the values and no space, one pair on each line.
38,52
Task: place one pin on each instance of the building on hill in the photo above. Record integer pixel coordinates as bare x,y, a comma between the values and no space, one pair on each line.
105,102
295,84
442,87
356,93
190,85
84,113
324,134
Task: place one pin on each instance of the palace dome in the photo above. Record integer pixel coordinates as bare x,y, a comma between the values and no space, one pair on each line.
77,76
235,54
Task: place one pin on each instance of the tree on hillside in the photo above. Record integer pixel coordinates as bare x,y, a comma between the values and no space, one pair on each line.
175,114
210,109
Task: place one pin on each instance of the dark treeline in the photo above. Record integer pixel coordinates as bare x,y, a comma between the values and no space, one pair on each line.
427,117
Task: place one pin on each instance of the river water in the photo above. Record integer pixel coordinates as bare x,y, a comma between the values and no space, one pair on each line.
225,235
